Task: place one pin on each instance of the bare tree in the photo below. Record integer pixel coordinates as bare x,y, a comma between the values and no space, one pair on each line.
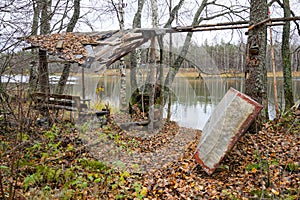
44,29
175,67
33,75
201,15
66,71
286,58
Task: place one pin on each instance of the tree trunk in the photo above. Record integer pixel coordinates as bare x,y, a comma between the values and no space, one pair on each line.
168,90
33,76
43,64
121,14
134,56
298,62
256,73
173,13
36,14
137,16
67,67
151,85
43,72
167,93
122,67
63,79
175,67
152,80
286,59
161,77
45,16
274,73
75,16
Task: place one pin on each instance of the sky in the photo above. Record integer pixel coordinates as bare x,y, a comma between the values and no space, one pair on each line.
108,20
103,18
98,15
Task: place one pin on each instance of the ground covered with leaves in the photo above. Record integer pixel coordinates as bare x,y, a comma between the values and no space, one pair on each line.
60,163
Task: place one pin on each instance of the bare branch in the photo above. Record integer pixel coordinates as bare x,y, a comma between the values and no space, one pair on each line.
173,13
117,11
293,14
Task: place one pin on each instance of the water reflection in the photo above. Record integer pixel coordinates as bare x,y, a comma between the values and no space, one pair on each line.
195,98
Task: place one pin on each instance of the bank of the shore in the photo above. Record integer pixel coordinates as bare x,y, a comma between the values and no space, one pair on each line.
189,72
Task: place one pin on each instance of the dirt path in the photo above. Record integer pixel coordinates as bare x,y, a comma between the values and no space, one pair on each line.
140,154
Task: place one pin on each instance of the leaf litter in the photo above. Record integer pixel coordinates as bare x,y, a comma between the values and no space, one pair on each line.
263,165
110,163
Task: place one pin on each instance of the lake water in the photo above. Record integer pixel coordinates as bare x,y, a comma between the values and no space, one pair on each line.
195,98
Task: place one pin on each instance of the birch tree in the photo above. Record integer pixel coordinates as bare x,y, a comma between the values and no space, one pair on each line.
134,56
152,82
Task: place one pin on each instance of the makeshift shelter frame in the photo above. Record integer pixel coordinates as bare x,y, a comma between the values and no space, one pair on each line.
109,46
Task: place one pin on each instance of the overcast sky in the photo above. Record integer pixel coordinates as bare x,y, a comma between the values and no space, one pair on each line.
103,18
98,15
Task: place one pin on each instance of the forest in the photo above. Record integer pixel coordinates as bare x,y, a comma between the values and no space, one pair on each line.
59,144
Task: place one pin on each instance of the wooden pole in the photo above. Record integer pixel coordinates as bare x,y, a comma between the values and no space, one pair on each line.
152,85
274,73
170,63
83,84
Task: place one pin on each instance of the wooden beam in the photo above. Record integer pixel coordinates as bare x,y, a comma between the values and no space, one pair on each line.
127,50
221,28
231,25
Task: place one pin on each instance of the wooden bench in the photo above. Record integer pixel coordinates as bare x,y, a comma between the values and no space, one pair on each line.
4,121
70,103
58,101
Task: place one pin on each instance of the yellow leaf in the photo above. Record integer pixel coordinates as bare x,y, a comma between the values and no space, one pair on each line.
253,170
144,191
274,191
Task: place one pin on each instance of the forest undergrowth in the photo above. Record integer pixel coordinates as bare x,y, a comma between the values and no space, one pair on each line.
56,163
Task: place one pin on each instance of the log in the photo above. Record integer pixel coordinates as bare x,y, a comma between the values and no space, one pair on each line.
128,125
102,113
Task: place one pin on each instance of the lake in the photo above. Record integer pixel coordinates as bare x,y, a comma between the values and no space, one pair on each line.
195,98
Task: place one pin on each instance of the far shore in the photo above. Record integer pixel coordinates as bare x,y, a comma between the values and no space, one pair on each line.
191,72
